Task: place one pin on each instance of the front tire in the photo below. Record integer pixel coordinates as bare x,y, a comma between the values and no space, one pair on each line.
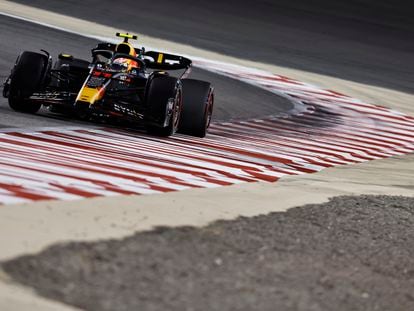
163,105
27,77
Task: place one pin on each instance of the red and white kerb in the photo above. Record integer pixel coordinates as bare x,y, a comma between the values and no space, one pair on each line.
325,129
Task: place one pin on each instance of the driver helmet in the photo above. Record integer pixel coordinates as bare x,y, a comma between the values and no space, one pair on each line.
124,64
125,48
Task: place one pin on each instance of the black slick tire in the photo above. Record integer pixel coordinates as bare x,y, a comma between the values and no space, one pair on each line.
27,77
162,92
198,102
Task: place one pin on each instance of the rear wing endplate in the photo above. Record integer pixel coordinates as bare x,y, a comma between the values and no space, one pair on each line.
164,61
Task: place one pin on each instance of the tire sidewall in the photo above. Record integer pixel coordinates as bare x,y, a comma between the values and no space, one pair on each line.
161,89
198,102
28,76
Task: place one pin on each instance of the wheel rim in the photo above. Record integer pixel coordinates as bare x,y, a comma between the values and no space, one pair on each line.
209,110
177,111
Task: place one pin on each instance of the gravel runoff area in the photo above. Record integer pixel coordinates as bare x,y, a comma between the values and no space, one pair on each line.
351,253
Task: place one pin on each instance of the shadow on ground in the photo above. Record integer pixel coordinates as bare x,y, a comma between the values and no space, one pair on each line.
351,253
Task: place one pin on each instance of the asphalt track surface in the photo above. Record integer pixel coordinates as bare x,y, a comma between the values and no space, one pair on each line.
348,254
234,98
359,40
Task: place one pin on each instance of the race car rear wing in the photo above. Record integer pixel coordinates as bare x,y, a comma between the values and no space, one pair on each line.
152,59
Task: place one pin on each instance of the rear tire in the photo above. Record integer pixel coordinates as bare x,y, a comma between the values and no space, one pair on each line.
163,91
198,102
27,77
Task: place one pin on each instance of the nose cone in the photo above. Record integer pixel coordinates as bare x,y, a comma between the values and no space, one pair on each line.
90,95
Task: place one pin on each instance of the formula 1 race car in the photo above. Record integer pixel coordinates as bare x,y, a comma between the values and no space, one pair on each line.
120,82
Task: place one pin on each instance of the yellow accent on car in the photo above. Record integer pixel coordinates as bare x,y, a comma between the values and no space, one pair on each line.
160,58
126,48
126,35
89,95
66,55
